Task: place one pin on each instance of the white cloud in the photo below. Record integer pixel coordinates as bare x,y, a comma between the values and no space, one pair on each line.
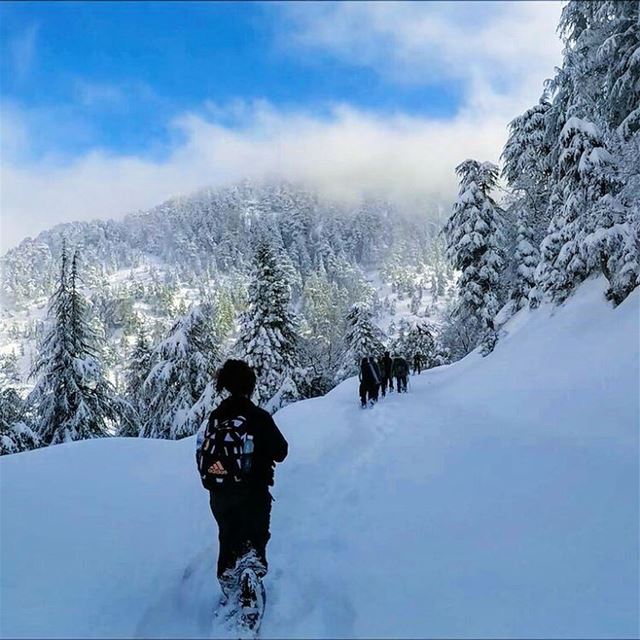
506,45
500,52
345,154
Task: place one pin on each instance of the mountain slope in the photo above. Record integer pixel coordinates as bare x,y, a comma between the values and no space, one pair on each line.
212,231
497,499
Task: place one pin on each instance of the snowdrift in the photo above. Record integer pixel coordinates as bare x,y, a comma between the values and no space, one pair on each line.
498,498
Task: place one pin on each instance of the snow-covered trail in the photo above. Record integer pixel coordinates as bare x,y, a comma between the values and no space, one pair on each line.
498,498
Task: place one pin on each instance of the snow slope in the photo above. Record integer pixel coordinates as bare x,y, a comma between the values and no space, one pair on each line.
499,498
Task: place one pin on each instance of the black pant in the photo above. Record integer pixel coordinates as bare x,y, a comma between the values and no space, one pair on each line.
243,515
401,383
368,391
417,368
386,382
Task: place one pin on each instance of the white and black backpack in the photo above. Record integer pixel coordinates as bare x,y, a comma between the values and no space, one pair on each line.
229,442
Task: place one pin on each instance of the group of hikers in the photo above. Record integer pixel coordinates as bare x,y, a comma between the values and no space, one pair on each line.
378,374
236,453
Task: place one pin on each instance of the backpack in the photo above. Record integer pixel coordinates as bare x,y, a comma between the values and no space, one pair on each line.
229,442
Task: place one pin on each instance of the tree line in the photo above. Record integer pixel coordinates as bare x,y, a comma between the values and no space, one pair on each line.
169,387
571,165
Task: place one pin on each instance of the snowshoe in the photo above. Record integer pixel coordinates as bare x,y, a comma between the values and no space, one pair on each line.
226,611
252,601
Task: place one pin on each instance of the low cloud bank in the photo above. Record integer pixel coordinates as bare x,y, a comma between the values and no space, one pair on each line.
345,154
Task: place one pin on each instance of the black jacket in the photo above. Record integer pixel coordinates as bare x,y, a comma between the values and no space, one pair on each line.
270,444
369,373
386,365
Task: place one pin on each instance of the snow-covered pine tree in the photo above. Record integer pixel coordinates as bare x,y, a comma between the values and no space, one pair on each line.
474,247
420,340
525,260
597,87
139,364
610,226
399,338
582,204
526,167
324,305
618,55
184,363
601,58
527,172
72,398
268,337
15,432
362,339
295,222
625,261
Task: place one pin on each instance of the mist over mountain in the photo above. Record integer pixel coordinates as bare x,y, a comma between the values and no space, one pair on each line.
212,232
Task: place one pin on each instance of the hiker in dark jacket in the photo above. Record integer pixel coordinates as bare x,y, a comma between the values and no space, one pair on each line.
236,458
369,381
400,372
417,364
386,379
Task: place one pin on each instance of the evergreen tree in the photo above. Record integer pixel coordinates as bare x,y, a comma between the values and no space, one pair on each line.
268,339
625,267
591,128
139,363
526,168
362,339
324,305
619,57
9,373
15,433
525,259
474,248
72,398
583,204
420,340
400,338
601,58
183,364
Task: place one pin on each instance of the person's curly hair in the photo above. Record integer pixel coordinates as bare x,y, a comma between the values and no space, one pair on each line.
236,377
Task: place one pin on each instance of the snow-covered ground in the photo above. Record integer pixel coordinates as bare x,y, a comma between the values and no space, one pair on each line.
498,498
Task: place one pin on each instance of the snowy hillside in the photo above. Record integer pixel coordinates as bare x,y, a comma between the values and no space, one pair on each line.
499,498
143,273
201,236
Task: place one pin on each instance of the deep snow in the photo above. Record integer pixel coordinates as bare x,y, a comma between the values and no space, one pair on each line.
498,498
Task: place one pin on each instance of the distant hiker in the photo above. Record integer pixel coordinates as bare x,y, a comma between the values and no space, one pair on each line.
236,456
400,371
417,364
386,364
369,381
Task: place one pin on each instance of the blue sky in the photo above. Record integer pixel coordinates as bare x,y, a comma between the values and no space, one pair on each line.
124,69
109,107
